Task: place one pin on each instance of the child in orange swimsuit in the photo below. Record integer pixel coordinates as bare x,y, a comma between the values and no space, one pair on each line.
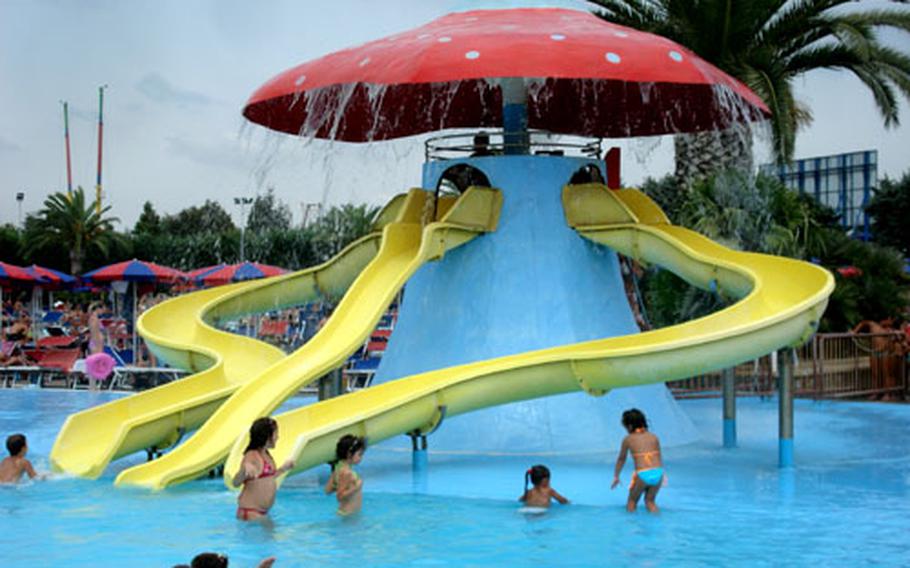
645,448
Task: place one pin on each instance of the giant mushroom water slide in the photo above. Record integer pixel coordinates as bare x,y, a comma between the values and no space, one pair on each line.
532,311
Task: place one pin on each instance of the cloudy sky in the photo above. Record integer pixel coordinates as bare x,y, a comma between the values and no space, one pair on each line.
179,72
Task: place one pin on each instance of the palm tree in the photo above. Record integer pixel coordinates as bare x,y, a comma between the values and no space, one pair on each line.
71,224
767,44
340,226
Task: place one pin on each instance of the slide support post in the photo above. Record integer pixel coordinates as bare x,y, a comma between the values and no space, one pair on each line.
729,386
785,445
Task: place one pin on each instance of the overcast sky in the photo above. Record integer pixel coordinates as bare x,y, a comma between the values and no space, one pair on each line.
179,72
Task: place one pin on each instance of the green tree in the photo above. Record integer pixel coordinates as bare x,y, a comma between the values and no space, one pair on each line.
10,244
768,44
268,213
889,210
210,217
71,224
762,215
149,221
341,226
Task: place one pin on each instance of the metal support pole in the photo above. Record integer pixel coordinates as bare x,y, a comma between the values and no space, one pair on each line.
419,462
785,445
516,139
729,377
330,385
418,452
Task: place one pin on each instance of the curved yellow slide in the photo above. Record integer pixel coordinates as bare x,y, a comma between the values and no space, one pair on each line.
781,303
178,331
406,245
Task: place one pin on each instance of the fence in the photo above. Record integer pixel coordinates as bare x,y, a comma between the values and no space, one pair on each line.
832,365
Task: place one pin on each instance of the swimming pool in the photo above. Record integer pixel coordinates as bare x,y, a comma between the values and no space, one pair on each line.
845,504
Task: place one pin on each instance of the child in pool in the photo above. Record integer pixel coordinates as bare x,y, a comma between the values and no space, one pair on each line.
12,467
258,473
645,449
344,481
541,493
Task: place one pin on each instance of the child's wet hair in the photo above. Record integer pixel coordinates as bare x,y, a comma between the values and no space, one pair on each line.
260,432
210,560
348,445
633,419
536,474
15,443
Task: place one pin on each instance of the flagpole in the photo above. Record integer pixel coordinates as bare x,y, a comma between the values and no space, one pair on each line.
66,139
100,139
135,333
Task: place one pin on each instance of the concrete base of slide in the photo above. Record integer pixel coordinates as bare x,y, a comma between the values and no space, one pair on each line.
531,284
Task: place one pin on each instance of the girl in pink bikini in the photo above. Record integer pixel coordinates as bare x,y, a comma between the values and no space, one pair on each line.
258,472
645,449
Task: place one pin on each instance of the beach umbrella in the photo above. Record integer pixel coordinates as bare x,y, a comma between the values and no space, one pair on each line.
46,278
576,73
11,274
195,276
135,271
49,276
238,273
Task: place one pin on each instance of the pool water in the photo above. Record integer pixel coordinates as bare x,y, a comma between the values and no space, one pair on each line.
846,503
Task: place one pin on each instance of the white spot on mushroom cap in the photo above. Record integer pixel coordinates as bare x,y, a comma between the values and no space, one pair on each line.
676,56
364,61
612,57
444,39
300,80
472,55
557,37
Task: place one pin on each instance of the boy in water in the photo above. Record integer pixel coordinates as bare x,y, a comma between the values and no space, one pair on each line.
12,468
645,448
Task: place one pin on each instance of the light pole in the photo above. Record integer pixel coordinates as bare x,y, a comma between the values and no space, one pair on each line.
20,197
316,207
242,202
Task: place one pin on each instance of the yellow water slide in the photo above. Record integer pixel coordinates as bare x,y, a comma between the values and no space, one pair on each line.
406,245
180,331
780,303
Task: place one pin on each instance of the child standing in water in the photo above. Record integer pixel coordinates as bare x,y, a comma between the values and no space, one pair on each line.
645,449
344,481
12,468
541,493
258,472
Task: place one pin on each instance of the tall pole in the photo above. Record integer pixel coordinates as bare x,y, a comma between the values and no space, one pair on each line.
66,140
516,139
242,202
729,392
100,140
20,197
785,440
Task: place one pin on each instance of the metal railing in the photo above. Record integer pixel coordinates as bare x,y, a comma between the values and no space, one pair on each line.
832,365
498,142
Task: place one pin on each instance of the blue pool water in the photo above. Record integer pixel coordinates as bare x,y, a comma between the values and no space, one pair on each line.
846,503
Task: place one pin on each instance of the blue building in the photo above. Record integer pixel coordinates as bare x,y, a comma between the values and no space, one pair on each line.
844,182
